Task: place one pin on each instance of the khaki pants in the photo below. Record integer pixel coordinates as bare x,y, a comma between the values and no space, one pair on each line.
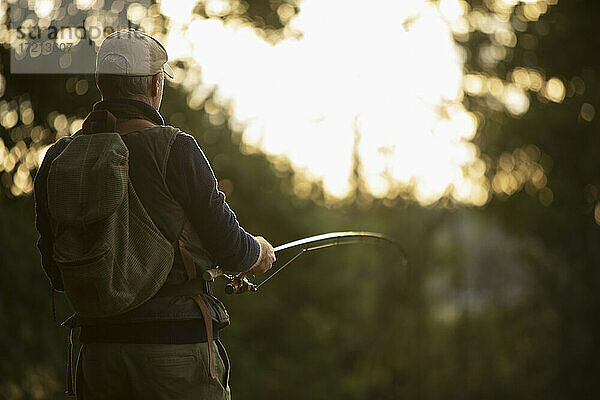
110,371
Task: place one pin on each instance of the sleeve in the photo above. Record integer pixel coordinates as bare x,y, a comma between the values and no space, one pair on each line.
194,186
42,218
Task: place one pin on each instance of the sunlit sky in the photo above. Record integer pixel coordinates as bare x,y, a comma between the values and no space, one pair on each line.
387,69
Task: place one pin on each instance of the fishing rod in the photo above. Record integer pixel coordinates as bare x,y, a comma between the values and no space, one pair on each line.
239,283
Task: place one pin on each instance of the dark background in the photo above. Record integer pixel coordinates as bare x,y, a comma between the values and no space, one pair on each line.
499,301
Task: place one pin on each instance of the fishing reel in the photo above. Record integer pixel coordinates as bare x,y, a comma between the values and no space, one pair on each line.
239,285
236,284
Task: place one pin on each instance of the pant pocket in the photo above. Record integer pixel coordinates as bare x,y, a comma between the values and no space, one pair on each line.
178,367
225,358
79,383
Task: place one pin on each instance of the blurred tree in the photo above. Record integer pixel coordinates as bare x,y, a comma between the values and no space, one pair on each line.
555,57
498,302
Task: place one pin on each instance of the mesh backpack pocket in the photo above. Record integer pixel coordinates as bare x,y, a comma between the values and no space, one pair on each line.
111,255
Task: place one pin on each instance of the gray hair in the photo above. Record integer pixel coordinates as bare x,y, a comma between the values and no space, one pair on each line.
121,86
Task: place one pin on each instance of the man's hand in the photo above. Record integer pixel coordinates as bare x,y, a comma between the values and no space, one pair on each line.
266,257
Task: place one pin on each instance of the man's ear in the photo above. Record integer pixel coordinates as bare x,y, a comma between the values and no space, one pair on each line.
155,85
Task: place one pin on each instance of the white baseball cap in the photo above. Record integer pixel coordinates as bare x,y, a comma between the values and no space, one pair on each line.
132,53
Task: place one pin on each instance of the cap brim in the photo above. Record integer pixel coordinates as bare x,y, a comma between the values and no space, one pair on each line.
168,71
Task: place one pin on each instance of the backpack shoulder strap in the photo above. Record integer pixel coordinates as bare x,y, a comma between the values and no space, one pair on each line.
133,125
193,287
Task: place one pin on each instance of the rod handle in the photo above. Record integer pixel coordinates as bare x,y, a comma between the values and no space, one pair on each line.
211,274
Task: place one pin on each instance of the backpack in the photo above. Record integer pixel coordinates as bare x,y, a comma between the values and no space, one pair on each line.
111,255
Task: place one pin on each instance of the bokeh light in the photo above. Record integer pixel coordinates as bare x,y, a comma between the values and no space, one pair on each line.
386,101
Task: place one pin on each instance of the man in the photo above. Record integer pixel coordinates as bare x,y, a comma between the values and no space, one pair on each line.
166,348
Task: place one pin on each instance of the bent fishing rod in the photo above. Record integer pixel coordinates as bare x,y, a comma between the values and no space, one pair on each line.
239,283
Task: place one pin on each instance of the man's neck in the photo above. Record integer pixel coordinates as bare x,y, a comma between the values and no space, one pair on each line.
128,108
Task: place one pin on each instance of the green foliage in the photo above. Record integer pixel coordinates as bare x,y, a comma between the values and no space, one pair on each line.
562,260
31,343
496,302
